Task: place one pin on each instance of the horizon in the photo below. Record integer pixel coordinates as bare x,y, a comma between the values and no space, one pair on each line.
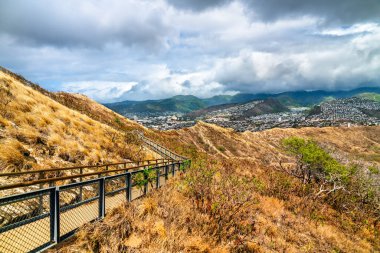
277,93
137,50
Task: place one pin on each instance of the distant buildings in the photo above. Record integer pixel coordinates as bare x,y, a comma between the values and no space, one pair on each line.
339,112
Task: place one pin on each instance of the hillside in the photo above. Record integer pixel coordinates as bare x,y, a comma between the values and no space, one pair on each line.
241,111
267,106
371,96
278,218
174,104
235,198
37,131
185,104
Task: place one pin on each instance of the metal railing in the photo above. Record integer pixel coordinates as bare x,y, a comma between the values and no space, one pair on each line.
53,175
28,226
161,150
36,220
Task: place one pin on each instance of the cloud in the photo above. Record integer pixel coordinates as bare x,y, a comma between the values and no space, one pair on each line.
98,90
331,67
197,5
345,12
139,49
73,23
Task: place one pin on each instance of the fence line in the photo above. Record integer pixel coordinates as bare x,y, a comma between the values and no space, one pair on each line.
37,220
30,227
43,180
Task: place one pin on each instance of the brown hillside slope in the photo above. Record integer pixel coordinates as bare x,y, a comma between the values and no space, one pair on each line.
80,103
279,216
36,131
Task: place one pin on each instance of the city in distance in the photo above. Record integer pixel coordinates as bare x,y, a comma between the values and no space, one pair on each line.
255,112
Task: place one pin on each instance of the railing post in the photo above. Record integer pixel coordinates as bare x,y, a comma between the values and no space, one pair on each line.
158,173
146,184
101,198
53,215
41,198
57,214
129,187
80,187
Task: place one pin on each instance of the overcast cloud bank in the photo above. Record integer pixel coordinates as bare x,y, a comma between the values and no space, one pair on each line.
116,50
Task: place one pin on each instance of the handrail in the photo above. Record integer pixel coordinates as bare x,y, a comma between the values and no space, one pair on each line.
153,144
49,216
7,174
55,179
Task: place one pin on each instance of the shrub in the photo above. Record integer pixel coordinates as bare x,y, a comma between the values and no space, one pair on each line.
6,97
226,197
314,163
12,155
147,176
221,149
346,188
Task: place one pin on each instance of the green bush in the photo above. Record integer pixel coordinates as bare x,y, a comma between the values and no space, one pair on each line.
147,176
313,162
347,188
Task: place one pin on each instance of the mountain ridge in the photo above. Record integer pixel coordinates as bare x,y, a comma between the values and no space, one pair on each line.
189,103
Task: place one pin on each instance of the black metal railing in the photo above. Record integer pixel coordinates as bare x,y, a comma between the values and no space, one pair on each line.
161,150
26,225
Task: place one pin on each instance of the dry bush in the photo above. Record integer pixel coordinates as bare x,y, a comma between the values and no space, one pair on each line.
25,135
12,155
226,197
6,97
107,235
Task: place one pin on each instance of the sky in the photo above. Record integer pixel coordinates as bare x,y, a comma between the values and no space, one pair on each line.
114,50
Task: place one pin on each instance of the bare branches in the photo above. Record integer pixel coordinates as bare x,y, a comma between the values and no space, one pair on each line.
6,97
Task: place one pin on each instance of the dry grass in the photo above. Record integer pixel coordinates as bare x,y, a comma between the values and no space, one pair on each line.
53,133
284,220
13,155
170,220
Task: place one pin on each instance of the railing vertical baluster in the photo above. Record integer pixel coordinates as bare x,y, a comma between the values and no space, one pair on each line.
129,187
101,198
166,172
158,173
146,184
41,198
53,215
57,216
80,187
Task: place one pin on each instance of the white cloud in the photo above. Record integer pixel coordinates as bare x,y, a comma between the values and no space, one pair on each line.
99,90
114,50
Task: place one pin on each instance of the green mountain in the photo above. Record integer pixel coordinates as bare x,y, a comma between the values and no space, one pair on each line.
174,104
189,103
270,105
371,96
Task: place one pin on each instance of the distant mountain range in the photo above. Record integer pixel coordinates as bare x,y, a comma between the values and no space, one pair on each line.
189,103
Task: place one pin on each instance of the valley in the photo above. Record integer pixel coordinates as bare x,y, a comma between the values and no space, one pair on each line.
270,113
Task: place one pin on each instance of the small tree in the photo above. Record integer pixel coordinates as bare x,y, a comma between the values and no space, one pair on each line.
313,164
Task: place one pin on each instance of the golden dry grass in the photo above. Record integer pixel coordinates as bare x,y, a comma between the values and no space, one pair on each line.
168,221
53,134
39,131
